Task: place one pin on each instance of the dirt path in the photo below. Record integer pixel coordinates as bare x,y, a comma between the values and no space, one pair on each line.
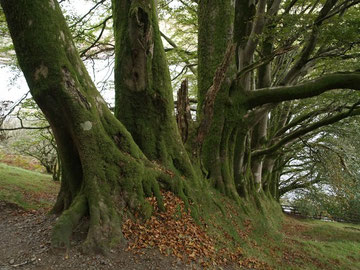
25,244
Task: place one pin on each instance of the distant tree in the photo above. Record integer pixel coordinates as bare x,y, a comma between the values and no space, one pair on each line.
333,164
28,133
4,107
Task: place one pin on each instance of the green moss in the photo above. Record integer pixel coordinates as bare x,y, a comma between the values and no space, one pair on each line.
67,221
146,210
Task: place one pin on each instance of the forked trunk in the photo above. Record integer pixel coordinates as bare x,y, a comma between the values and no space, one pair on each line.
103,169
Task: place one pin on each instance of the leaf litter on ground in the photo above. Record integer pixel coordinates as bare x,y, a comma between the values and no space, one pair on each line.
174,233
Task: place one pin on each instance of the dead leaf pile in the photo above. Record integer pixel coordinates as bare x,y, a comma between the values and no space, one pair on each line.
251,263
175,233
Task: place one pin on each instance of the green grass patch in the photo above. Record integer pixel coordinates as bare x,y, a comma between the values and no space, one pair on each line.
10,158
310,244
27,189
266,235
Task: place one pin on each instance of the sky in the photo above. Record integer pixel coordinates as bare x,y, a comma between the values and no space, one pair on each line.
13,84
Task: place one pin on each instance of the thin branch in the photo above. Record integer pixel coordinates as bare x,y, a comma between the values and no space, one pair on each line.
306,117
182,71
339,10
296,134
87,13
288,8
341,158
264,61
23,127
310,44
98,38
296,185
173,44
2,119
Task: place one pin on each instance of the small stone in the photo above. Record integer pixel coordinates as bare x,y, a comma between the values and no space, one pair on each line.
12,261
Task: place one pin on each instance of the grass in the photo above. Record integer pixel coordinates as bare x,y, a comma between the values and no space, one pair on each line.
25,162
286,243
310,244
27,189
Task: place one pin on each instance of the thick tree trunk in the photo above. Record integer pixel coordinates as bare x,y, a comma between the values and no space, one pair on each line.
215,32
144,98
103,170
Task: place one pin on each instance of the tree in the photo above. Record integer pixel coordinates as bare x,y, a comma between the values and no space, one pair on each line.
114,161
33,136
324,175
337,188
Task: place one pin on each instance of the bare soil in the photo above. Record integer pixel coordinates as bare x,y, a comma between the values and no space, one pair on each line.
25,244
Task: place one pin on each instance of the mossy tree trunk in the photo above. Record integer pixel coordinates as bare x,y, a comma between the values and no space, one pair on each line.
144,97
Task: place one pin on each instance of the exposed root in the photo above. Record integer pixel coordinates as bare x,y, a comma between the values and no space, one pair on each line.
68,221
104,232
104,203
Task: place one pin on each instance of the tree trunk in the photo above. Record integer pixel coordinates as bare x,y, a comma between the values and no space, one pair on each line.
144,99
215,32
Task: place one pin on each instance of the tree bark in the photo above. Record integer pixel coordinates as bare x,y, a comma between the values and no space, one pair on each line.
144,101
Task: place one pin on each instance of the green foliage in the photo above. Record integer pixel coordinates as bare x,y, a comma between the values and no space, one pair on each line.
337,201
178,21
337,166
38,143
7,55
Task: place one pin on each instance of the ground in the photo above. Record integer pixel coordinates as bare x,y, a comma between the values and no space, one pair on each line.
169,240
25,244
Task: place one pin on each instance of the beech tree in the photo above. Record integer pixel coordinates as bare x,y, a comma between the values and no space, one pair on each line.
113,161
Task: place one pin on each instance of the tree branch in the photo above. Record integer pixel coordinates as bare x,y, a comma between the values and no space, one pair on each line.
98,38
173,44
87,13
340,9
296,134
346,80
310,44
264,60
296,185
23,127
305,117
258,26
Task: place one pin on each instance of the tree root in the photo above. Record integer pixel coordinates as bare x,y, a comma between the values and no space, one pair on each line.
104,203
68,221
